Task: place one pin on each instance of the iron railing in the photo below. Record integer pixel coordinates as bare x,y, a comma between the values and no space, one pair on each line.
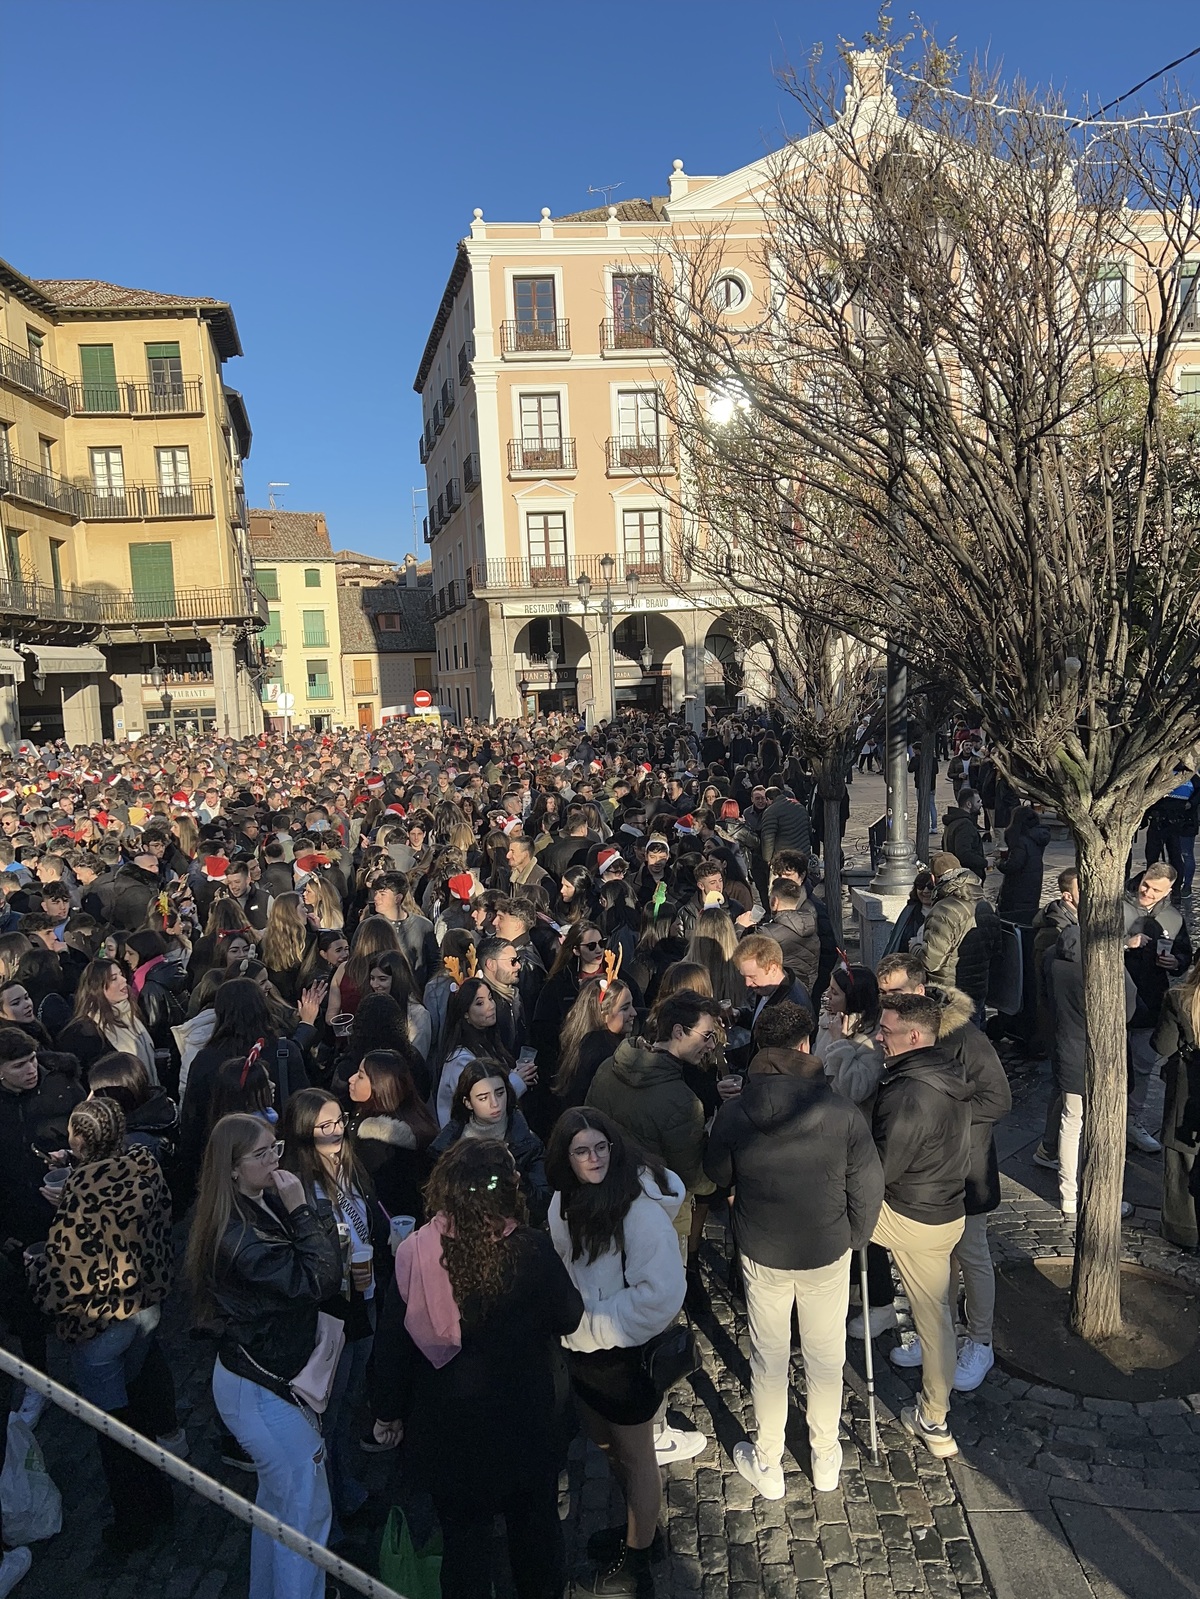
518,572
21,480
358,688
114,607
629,452
24,371
521,337
138,500
438,418
122,397
453,496
422,448
624,333
429,435
466,354
315,639
426,532
471,477
318,688
541,455
448,397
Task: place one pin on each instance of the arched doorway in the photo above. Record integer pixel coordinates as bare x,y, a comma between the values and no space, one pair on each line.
552,660
648,662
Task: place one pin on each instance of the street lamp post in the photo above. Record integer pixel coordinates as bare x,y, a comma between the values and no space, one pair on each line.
608,566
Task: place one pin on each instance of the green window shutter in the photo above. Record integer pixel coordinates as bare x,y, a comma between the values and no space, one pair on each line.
267,580
99,372
314,629
162,352
312,577
271,635
152,575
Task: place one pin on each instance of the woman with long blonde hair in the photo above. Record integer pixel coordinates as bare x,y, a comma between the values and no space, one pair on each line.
713,941
285,943
323,903
603,1014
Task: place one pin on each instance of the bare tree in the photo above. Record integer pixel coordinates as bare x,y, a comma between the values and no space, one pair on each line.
960,401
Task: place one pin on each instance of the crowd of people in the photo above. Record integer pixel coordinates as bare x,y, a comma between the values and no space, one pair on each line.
431,1053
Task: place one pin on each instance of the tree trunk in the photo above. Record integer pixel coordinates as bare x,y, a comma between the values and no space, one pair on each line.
926,762
1096,1280
833,862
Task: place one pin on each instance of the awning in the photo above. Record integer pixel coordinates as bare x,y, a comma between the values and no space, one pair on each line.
57,659
12,665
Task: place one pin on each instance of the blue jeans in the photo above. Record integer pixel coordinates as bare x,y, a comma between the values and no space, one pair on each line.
290,1457
104,1367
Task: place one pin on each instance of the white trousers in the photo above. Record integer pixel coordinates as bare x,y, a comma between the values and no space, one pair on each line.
821,1298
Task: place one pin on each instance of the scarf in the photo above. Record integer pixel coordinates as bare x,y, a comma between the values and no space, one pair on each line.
431,1317
140,976
129,1036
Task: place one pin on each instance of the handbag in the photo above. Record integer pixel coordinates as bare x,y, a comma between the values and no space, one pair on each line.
403,1567
312,1385
671,1354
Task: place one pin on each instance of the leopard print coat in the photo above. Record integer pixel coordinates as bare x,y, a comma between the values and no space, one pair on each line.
109,1252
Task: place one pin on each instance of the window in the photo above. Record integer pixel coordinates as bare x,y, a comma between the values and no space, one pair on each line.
642,535
108,473
541,432
98,370
456,657
318,680
364,677
165,372
35,341
46,456
267,579
314,629
389,621
56,565
533,302
468,704
633,308
5,447
423,674
547,533
271,635
1106,298
729,292
174,477
1189,295
152,578
12,552
1189,390
312,577
466,663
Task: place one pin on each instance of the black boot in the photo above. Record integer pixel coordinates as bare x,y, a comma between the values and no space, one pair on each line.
604,1547
628,1578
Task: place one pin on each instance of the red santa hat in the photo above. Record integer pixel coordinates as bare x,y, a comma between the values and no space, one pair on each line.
215,867
606,859
686,824
181,798
54,777
646,767
308,864
395,809
558,760
375,785
462,886
7,794
510,825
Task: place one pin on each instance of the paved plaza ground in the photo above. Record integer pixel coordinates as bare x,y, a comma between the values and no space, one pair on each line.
1051,1494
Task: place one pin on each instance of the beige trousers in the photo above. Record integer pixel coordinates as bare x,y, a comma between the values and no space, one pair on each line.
922,1255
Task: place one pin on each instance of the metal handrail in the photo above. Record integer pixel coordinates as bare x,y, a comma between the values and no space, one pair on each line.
541,455
27,372
518,572
631,452
125,397
137,500
520,336
471,476
624,333
21,480
117,607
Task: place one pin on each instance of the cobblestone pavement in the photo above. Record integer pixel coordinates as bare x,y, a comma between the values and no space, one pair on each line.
1035,1462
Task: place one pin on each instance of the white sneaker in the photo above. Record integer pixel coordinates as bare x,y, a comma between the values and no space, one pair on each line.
1069,1208
13,1567
908,1355
974,1363
826,1469
672,1444
882,1318
175,1443
32,1407
766,1480
1137,1135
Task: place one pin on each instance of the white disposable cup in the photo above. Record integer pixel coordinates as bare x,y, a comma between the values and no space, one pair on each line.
400,1229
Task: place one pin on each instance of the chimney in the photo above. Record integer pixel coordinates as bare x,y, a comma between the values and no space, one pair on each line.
319,524
410,571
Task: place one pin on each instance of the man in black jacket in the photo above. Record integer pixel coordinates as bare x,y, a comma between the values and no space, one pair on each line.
961,835
922,1128
807,1190
991,1098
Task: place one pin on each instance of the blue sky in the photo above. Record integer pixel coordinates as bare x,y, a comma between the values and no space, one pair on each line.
314,164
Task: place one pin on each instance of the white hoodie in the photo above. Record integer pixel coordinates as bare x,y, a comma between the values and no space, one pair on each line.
622,1311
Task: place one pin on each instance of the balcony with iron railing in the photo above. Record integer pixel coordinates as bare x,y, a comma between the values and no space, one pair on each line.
619,334
422,448
315,638
539,456
25,596
32,375
124,397
273,638
438,418
453,496
471,477
429,435
318,688
548,337
21,480
517,573
361,686
448,397
427,533
146,501
466,354
635,453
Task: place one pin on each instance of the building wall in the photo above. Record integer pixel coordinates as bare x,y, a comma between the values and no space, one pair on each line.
295,597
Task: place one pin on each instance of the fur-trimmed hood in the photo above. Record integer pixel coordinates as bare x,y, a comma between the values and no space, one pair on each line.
957,1010
387,1130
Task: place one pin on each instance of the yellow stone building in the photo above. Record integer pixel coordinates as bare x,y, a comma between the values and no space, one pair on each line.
126,601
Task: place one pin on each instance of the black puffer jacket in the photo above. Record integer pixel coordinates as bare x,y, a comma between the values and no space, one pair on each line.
527,1151
796,934
1066,1004
1021,890
807,1180
785,826
132,890
961,837
991,1096
162,1002
38,1117
922,1128
273,1272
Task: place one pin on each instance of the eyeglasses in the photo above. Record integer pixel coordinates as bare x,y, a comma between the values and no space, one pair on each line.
275,1149
590,946
595,1151
330,1127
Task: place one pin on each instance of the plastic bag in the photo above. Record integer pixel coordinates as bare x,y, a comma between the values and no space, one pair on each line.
32,1504
415,1573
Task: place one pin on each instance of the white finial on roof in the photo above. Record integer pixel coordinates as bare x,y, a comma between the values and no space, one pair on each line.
677,164
478,213
545,213
612,213
678,180
478,225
